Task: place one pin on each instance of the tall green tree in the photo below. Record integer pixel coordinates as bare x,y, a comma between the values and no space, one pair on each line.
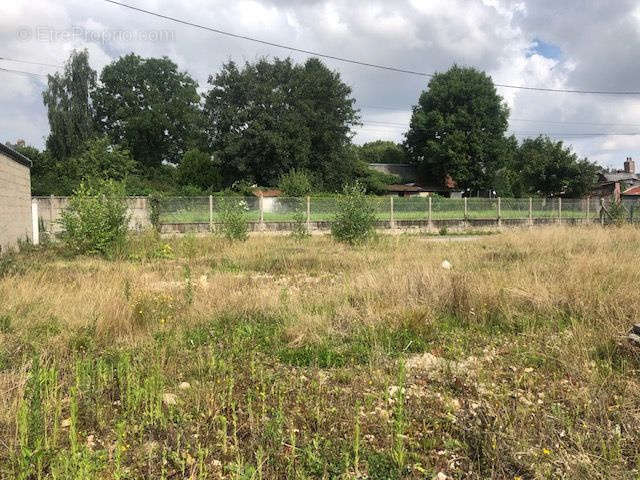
458,129
69,106
150,107
267,118
548,168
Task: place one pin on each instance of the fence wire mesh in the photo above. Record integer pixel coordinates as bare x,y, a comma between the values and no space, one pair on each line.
176,210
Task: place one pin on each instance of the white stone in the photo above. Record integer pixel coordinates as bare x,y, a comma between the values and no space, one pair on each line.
169,399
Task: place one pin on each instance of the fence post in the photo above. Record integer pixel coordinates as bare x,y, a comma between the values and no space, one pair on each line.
466,211
51,214
211,213
430,219
499,212
392,222
559,209
35,234
530,211
308,213
602,212
588,200
261,225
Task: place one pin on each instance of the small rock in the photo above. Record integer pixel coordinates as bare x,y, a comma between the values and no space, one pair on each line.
150,447
441,476
184,386
634,339
169,399
66,423
91,442
636,329
446,265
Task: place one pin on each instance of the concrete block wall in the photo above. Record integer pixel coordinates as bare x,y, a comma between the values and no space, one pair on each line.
50,211
15,203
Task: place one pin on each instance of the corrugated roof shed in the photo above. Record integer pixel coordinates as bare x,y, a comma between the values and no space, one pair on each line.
405,171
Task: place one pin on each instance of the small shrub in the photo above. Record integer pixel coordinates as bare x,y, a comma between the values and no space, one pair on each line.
300,229
5,324
9,264
617,213
233,218
155,207
443,231
355,218
96,219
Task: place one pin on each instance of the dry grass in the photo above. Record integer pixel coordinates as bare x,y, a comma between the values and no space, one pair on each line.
527,373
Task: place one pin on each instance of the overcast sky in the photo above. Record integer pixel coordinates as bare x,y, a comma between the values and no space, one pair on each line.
571,44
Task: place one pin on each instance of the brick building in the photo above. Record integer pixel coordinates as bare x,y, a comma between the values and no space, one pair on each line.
15,198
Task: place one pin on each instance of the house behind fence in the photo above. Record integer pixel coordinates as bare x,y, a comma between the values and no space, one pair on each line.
15,198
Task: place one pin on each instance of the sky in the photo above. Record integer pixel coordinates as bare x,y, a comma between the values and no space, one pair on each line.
573,44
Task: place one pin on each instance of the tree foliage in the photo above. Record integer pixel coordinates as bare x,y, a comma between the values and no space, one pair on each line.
101,159
458,129
148,106
548,168
267,118
198,169
295,183
382,151
69,107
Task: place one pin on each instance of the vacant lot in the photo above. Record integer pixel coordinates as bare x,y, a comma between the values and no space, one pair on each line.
197,358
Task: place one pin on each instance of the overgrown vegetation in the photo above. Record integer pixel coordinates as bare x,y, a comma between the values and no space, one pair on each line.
96,219
276,359
355,218
234,224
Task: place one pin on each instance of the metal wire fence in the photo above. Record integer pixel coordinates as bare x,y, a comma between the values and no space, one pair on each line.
180,210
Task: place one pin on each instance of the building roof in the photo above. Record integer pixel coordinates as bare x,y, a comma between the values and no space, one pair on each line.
632,191
409,178
13,155
273,192
405,171
405,188
617,176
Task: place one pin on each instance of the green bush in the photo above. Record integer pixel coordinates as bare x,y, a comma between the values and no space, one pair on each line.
355,218
300,230
617,213
198,169
233,218
96,219
155,209
295,183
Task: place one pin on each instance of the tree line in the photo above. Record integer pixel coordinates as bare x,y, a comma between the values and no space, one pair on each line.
272,123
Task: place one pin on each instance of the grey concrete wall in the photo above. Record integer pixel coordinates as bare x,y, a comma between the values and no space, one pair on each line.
50,210
15,203
405,225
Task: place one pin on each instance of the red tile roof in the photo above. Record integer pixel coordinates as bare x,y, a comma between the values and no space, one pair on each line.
274,192
632,191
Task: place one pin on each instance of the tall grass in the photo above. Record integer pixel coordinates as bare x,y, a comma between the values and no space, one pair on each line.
200,358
